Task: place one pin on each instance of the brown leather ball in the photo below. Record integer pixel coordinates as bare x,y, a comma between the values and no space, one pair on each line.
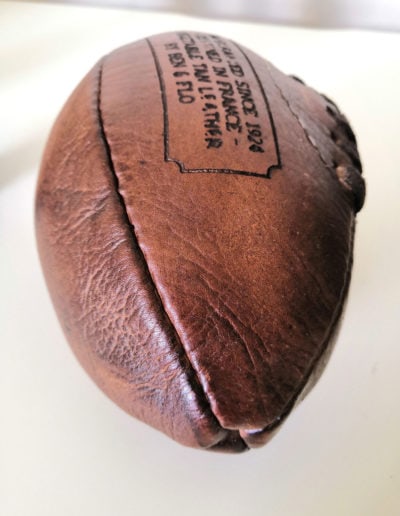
195,217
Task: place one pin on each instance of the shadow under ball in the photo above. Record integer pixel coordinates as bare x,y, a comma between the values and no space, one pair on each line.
195,216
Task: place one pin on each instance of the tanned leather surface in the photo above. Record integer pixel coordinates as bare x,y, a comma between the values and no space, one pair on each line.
197,243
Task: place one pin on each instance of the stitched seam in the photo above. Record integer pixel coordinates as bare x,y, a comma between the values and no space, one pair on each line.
358,193
313,144
111,167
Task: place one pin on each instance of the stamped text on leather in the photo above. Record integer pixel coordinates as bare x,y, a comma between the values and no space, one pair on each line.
201,73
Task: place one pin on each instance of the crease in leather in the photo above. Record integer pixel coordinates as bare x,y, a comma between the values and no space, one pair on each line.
199,391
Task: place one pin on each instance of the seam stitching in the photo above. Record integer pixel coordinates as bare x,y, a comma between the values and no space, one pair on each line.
313,144
200,390
333,167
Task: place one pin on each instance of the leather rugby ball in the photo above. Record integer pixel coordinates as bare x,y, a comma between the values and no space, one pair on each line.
195,216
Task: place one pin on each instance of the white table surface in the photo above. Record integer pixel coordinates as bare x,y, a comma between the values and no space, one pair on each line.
65,449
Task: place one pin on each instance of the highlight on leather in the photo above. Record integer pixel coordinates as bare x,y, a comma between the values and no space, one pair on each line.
195,216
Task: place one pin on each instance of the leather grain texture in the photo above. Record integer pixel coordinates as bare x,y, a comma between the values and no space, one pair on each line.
195,215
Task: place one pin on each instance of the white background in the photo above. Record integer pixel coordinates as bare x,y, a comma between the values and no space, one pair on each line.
375,14
65,449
